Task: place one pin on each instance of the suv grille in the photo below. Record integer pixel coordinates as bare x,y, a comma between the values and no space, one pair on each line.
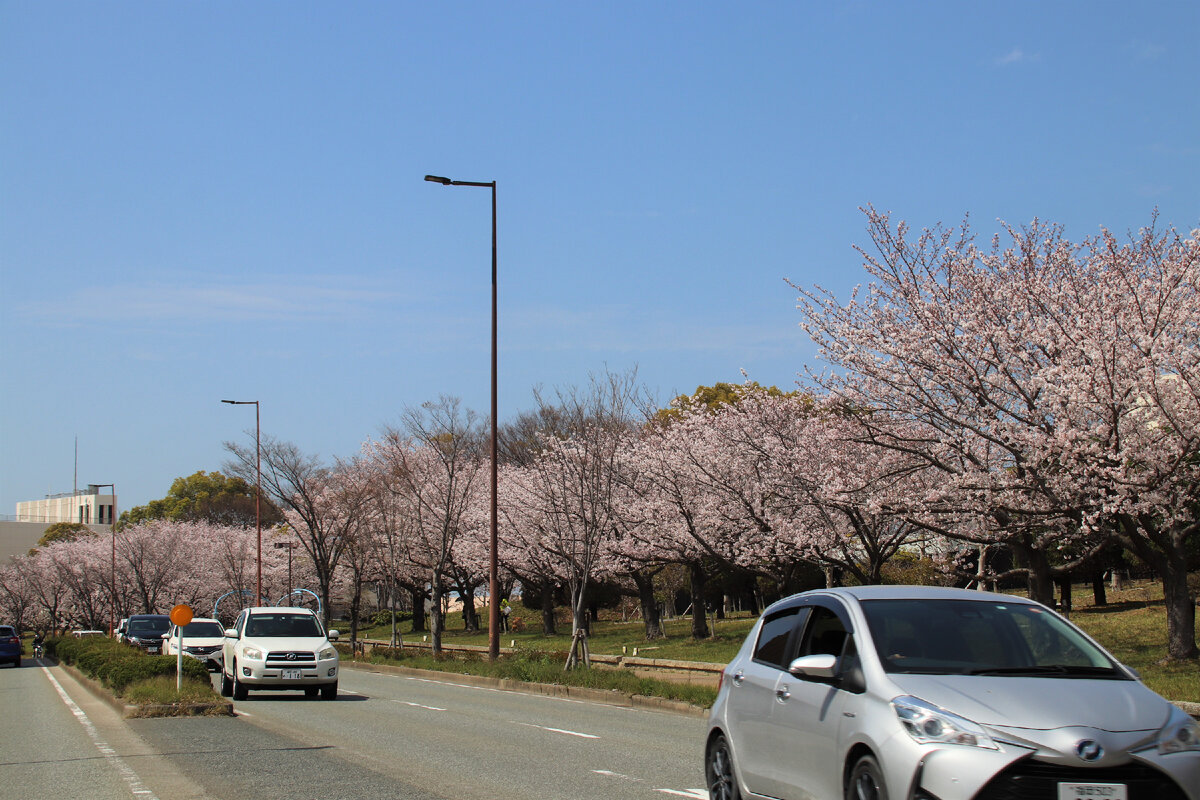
1038,780
291,658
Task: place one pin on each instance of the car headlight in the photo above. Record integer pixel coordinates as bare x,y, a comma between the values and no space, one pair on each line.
253,653
930,724
328,652
1181,735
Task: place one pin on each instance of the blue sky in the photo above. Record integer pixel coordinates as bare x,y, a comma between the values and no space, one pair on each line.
208,200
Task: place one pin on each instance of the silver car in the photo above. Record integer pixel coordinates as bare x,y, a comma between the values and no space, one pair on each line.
923,693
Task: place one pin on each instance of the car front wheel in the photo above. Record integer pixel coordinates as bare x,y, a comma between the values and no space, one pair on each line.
329,691
718,768
866,781
240,692
226,685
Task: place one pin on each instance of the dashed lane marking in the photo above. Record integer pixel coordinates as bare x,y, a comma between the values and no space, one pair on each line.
556,730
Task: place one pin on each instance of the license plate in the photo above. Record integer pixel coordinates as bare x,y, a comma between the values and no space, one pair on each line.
1092,791
295,674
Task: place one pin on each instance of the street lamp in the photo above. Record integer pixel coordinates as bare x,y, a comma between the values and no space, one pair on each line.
290,545
112,519
257,489
493,584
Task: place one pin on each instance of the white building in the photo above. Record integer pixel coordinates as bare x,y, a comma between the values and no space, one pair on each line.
89,507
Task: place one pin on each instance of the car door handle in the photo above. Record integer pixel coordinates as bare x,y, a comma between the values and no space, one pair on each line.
738,677
782,694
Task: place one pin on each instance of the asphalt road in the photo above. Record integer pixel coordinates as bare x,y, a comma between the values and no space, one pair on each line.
386,736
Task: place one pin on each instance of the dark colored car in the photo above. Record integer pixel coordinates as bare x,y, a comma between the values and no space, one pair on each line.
146,631
10,645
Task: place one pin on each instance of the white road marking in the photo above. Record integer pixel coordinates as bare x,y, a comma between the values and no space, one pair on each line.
418,705
526,694
699,794
608,773
555,730
131,778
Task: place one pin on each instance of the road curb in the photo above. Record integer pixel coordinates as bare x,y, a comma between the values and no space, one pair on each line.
131,710
610,697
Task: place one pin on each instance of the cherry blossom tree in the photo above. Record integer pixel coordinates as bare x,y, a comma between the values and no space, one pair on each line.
1055,387
436,463
321,505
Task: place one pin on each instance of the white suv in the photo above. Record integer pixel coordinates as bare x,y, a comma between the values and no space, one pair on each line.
279,648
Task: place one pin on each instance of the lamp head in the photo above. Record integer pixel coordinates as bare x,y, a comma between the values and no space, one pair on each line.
438,179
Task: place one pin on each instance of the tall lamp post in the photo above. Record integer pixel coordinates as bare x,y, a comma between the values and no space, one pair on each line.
493,582
257,489
112,575
291,545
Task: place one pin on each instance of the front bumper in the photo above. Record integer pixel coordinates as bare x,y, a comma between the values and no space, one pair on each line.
264,674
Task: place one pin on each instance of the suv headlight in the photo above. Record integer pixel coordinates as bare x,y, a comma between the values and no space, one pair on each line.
252,653
1181,735
930,724
328,652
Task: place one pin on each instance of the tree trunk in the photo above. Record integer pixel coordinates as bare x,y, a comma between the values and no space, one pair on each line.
437,622
470,613
1041,578
1064,595
1099,595
549,625
1166,553
651,615
699,613
418,609
355,605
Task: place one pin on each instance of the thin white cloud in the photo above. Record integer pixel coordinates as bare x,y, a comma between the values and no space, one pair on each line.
219,299
1147,51
1016,56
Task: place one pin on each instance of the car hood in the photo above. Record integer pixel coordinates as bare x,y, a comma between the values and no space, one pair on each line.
200,641
275,643
1041,703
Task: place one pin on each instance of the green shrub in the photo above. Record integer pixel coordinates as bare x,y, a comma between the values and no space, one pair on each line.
385,618
118,665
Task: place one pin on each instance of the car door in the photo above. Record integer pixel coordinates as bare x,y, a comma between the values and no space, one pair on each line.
752,695
809,713
228,654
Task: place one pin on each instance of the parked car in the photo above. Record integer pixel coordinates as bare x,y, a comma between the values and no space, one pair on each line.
10,645
926,693
146,630
203,640
279,648
120,632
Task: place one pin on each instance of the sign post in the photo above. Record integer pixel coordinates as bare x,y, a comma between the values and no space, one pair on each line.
180,616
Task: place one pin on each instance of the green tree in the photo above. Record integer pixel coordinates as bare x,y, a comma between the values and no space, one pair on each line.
64,532
210,497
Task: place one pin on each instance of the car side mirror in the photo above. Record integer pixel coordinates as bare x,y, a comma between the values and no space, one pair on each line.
231,633
333,635
165,636
821,666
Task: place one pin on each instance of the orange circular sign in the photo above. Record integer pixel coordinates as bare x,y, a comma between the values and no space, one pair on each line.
181,615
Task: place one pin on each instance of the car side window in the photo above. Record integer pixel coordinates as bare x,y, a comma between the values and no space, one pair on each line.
826,634
775,634
238,622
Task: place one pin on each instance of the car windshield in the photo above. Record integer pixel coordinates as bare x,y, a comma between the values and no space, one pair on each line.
978,637
297,625
149,625
204,629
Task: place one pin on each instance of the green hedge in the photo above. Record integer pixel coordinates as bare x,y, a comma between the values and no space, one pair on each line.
118,665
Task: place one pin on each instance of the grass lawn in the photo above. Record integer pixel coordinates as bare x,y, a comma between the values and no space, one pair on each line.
1132,626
